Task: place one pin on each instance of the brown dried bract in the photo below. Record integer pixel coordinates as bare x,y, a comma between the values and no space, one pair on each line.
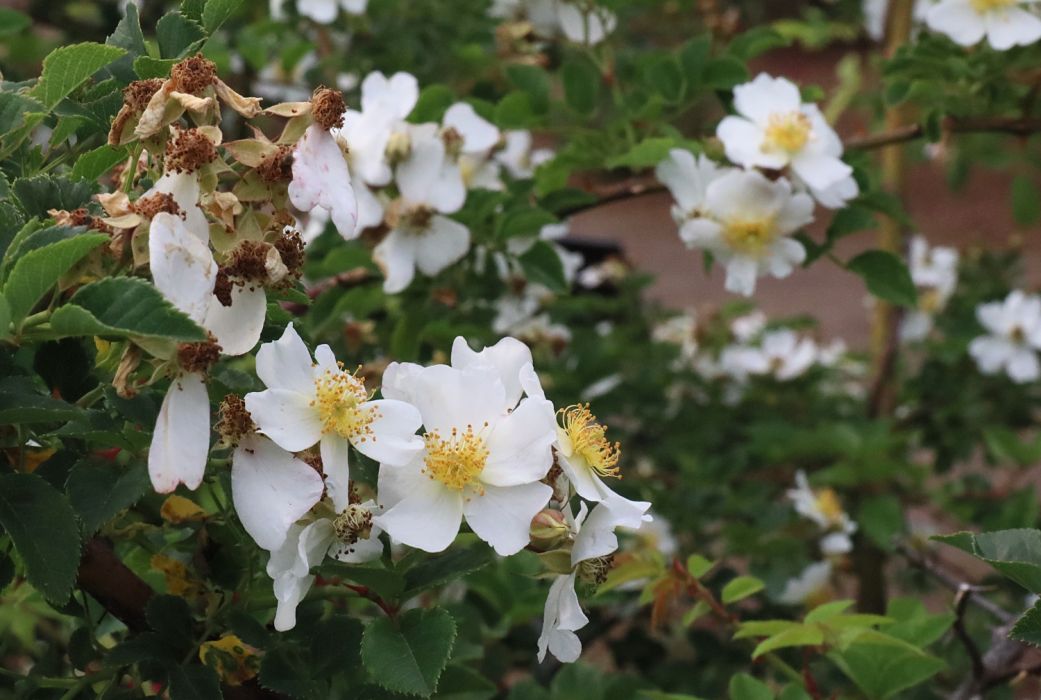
277,167
193,75
154,204
189,150
328,108
222,287
233,420
198,357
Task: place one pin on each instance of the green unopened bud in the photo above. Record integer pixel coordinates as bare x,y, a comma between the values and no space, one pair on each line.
549,530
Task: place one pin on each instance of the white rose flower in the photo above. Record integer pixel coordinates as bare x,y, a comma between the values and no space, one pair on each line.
935,274
1005,23
585,25
747,227
781,354
808,585
688,178
321,11
321,179
775,129
1013,337
380,125
319,402
822,506
518,157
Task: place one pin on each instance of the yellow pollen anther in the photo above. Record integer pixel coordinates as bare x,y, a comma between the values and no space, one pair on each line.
749,236
982,6
829,505
588,440
458,460
788,131
339,396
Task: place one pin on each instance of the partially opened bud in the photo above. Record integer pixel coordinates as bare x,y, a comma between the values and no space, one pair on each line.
549,530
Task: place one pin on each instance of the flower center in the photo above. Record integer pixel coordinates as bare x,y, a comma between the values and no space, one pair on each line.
1017,334
788,131
457,460
983,6
587,438
353,524
595,571
339,397
749,236
929,300
829,505
416,221
399,146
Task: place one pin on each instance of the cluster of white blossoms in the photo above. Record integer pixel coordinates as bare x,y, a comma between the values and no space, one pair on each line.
578,21
492,452
934,271
409,178
321,11
1004,23
823,508
740,216
1012,339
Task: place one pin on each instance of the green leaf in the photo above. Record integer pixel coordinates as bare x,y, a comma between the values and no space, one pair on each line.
41,193
68,67
1028,627
43,528
123,307
5,317
193,9
1015,553
882,668
644,154
410,657
463,683
799,636
740,588
756,41
514,110
389,585
40,269
665,77
22,403
217,13
1026,201
523,222
127,35
13,108
93,164
744,687
965,541
581,84
533,81
433,101
177,35
445,568
724,73
148,67
698,565
542,264
170,616
12,22
194,683
694,58
99,492
827,611
886,276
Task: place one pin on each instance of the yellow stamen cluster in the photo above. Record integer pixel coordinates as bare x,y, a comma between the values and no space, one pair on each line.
983,6
339,398
788,131
353,524
829,505
588,440
458,460
749,236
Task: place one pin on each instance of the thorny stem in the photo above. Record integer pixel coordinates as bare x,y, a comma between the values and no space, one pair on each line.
391,611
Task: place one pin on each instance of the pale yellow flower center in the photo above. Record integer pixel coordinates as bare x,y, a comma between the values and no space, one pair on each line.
749,236
829,505
339,398
787,131
588,441
983,6
457,460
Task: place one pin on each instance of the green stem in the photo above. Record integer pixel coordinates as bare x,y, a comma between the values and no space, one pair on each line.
91,397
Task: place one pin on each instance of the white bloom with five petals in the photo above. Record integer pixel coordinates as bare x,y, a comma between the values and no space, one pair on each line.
1005,23
1013,337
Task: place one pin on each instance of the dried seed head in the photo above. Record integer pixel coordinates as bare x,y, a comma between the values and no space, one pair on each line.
193,75
453,141
222,287
137,94
290,247
198,357
233,420
277,167
328,107
248,262
188,151
155,203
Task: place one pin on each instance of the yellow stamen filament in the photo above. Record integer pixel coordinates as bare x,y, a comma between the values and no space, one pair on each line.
339,398
588,440
458,460
749,236
787,131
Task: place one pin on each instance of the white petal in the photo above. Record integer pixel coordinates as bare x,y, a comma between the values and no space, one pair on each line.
396,96
321,179
508,357
562,615
181,441
321,11
444,243
741,275
287,417
289,591
479,135
1023,366
286,364
370,208
743,142
396,256
958,20
271,490
418,174
237,327
447,194
586,482
702,233
519,445
336,452
501,516
764,96
819,170
182,266
745,194
184,188
428,515
393,441
450,398
1014,26
796,212
398,381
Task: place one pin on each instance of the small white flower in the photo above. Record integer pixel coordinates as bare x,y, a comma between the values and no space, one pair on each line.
807,585
776,129
585,25
430,185
184,271
747,327
1013,337
322,180
321,11
747,227
486,450
518,157
688,178
935,274
1005,23
319,402
680,330
822,506
477,134
380,125
781,354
